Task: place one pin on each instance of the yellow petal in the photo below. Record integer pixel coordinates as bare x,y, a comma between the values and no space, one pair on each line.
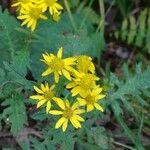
47,58
15,4
69,61
66,74
75,123
67,103
70,69
47,86
38,90
97,106
71,85
75,105
90,107
79,111
43,17
96,90
40,103
59,102
56,77
77,117
43,87
33,25
51,10
76,90
40,97
92,68
48,106
82,102
23,16
56,17
101,96
60,122
55,112
25,22
58,6
59,54
52,87
30,22
65,124
47,72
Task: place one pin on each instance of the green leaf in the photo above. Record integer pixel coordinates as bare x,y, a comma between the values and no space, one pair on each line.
130,134
127,92
132,30
18,68
136,31
133,85
68,142
148,33
40,115
141,29
96,135
15,112
124,32
2,75
11,40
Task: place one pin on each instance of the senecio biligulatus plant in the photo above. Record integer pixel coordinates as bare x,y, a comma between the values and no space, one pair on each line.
30,11
80,73
78,70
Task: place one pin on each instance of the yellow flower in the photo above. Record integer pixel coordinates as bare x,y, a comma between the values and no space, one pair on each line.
30,15
91,100
20,4
85,65
57,65
45,95
69,113
52,5
56,17
82,84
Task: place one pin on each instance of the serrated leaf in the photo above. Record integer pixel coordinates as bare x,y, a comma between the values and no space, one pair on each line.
68,142
136,31
141,29
11,40
132,30
15,112
17,69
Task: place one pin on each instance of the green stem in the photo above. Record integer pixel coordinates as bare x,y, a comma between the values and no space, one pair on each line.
70,15
102,13
86,16
101,25
141,125
123,145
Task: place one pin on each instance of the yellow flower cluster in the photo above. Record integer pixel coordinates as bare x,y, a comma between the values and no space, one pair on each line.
80,72
32,10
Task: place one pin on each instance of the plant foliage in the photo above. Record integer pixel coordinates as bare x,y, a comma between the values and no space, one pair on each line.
136,31
15,112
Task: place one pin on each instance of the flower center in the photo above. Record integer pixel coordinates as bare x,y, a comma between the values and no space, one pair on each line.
90,99
57,64
35,13
50,2
68,113
48,95
24,1
86,82
83,64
